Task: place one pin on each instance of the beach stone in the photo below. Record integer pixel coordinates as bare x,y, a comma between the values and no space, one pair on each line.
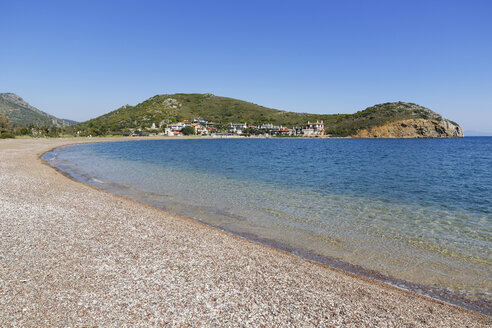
72,255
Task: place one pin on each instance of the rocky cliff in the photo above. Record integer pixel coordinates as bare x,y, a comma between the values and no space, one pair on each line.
414,128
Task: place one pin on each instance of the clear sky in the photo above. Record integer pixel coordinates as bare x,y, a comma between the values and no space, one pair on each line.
81,59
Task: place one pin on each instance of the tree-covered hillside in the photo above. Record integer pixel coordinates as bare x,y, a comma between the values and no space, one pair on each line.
164,109
379,115
20,113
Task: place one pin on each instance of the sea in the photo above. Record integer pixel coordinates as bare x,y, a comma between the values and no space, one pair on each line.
415,213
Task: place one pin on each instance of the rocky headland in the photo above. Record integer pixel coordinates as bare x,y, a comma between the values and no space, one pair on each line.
413,128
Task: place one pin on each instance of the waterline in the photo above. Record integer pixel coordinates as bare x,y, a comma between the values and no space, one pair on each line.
430,241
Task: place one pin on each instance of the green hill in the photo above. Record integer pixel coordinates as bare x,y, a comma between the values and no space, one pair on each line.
162,109
20,113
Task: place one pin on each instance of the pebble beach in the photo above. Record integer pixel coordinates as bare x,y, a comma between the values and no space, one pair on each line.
75,256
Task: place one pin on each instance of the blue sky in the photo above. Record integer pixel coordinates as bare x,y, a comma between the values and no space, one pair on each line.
81,59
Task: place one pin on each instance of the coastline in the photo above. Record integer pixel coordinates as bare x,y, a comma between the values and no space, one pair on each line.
243,282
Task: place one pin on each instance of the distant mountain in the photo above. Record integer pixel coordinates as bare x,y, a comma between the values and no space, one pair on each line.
162,109
20,112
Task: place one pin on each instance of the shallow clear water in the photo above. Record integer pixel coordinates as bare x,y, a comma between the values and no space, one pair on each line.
417,210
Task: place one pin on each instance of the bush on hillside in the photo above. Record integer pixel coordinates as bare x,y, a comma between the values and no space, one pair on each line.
6,134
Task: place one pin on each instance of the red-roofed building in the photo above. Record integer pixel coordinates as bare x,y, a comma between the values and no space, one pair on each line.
316,127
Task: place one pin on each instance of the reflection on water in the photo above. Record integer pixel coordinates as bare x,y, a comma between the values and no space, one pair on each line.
404,208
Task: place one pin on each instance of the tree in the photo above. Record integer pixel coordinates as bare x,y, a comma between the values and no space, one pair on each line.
4,122
188,131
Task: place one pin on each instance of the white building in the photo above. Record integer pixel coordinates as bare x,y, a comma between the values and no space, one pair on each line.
237,128
317,128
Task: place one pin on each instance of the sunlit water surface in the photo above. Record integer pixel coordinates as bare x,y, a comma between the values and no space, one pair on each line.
417,210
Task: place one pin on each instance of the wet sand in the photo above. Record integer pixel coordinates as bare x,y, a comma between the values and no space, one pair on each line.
71,255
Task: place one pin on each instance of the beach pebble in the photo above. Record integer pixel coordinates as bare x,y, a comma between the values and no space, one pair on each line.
75,256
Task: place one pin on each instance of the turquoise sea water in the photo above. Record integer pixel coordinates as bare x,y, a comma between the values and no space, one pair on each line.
419,211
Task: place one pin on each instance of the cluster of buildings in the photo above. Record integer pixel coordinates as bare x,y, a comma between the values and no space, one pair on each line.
200,126
311,129
203,127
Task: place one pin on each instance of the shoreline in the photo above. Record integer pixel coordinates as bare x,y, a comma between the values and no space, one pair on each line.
481,306
367,285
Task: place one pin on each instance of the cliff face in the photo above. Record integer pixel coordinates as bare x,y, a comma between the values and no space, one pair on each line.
413,128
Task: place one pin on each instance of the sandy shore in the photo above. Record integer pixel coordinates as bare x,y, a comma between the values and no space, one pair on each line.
71,255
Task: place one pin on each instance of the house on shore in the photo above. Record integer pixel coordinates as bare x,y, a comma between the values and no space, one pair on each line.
286,131
237,128
312,129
